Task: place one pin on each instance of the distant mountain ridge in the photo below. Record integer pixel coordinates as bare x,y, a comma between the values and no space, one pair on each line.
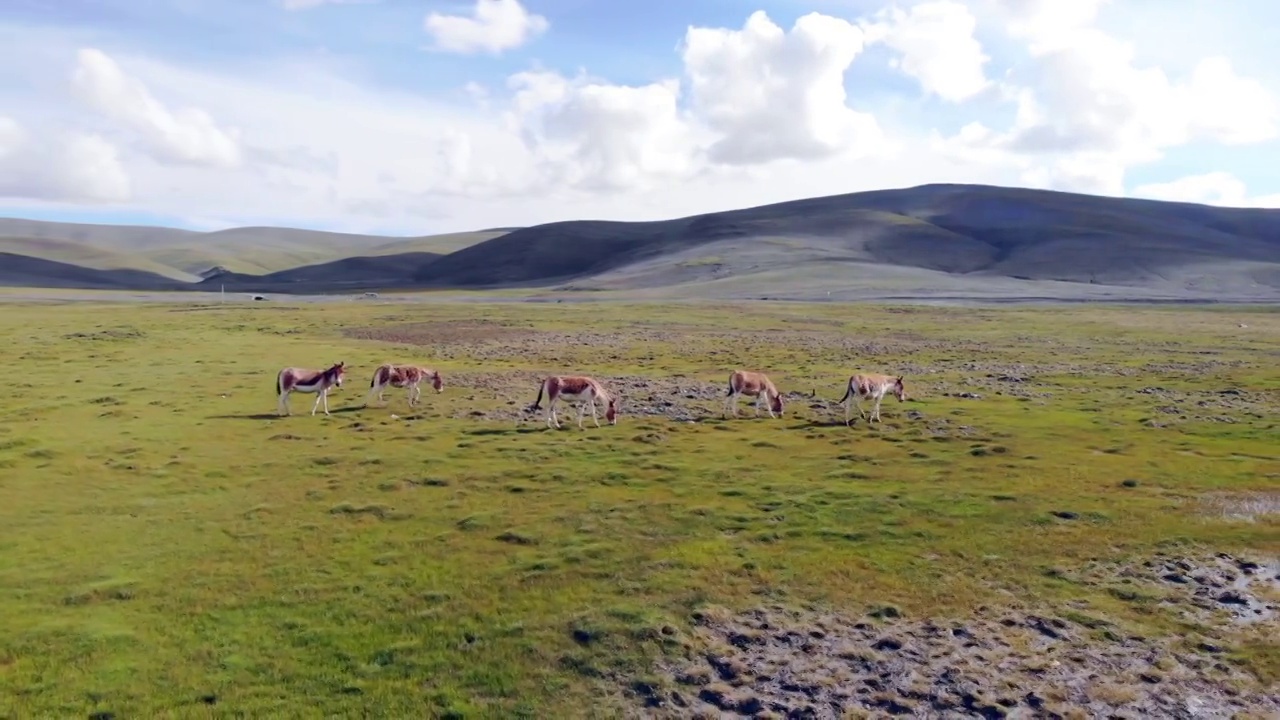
919,239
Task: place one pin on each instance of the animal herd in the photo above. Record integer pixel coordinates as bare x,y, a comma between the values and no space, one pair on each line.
583,390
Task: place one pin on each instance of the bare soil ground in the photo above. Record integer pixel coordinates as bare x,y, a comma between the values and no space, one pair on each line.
776,662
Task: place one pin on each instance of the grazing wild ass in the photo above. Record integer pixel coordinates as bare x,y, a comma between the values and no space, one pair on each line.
872,386
583,389
402,376
755,384
308,380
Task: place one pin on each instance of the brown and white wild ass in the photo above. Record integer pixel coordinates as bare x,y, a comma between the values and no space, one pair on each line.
753,384
872,386
402,376
584,390
308,380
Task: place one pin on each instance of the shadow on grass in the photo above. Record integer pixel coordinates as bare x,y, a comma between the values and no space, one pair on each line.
505,431
813,424
274,416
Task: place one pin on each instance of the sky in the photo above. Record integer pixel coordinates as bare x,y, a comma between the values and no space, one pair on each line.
414,117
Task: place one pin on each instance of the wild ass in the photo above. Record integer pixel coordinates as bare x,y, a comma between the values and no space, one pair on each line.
872,386
402,376
584,390
754,384
308,380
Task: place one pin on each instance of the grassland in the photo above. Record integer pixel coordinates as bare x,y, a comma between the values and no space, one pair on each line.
171,548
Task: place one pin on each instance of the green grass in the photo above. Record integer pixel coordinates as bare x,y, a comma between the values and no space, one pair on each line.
168,545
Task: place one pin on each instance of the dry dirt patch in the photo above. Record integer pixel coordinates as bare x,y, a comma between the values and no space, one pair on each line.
506,396
787,663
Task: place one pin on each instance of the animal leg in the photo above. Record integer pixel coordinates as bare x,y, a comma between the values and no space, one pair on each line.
759,399
282,405
594,416
582,412
858,404
769,406
875,413
319,397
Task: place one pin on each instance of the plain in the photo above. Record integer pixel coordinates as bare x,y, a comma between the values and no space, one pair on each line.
172,548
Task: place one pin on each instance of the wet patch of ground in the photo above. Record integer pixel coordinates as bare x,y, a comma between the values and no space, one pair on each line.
776,662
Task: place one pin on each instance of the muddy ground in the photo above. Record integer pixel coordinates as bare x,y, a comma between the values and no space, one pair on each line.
775,662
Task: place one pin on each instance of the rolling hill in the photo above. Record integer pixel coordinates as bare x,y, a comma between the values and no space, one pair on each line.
348,274
922,241
25,271
976,231
75,253
185,254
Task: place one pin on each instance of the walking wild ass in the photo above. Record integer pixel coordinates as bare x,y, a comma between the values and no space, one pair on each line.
584,390
871,386
409,377
753,384
308,380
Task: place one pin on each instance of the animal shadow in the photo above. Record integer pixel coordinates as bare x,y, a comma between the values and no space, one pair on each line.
274,416
482,432
812,424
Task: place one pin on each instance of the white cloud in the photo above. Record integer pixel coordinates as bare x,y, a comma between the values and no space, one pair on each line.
595,136
75,167
188,135
494,26
1088,111
752,114
935,44
771,94
1211,188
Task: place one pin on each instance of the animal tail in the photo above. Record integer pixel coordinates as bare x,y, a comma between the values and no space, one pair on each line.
279,382
730,387
537,404
847,391
374,380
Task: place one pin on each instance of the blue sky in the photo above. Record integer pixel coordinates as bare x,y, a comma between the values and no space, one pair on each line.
363,116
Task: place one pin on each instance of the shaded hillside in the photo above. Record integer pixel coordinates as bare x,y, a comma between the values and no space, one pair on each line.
24,271
348,274
74,253
973,230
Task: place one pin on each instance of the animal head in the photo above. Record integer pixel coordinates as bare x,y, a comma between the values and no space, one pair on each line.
611,412
340,368
777,403
899,389
437,382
